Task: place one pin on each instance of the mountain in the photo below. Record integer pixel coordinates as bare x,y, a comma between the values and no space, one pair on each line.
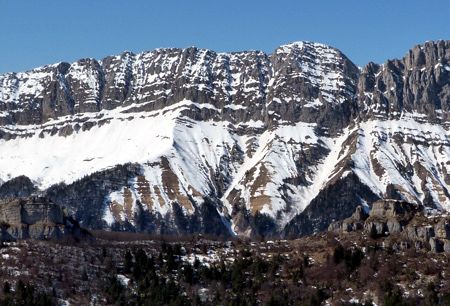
178,141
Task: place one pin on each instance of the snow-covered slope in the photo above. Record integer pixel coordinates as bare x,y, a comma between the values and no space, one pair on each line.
412,156
248,139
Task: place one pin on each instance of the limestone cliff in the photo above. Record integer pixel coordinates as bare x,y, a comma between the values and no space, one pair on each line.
36,218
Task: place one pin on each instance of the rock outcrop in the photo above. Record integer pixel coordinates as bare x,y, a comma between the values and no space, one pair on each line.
36,218
354,223
389,217
397,218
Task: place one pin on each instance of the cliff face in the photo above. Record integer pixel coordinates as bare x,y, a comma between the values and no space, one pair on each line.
36,218
32,212
168,140
418,83
235,87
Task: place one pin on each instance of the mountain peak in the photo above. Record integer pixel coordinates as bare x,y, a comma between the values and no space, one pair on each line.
305,46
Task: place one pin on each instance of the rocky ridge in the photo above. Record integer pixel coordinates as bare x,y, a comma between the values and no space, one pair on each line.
262,144
398,218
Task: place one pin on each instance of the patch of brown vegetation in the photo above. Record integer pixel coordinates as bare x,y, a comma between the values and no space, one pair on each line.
143,189
257,202
116,210
172,186
158,194
128,203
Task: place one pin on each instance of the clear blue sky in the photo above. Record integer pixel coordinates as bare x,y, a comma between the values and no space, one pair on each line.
38,32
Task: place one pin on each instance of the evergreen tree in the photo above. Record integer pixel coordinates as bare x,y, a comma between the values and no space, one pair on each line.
128,264
6,288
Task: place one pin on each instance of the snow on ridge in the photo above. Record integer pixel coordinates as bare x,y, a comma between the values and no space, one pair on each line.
31,71
247,74
127,54
13,86
303,44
